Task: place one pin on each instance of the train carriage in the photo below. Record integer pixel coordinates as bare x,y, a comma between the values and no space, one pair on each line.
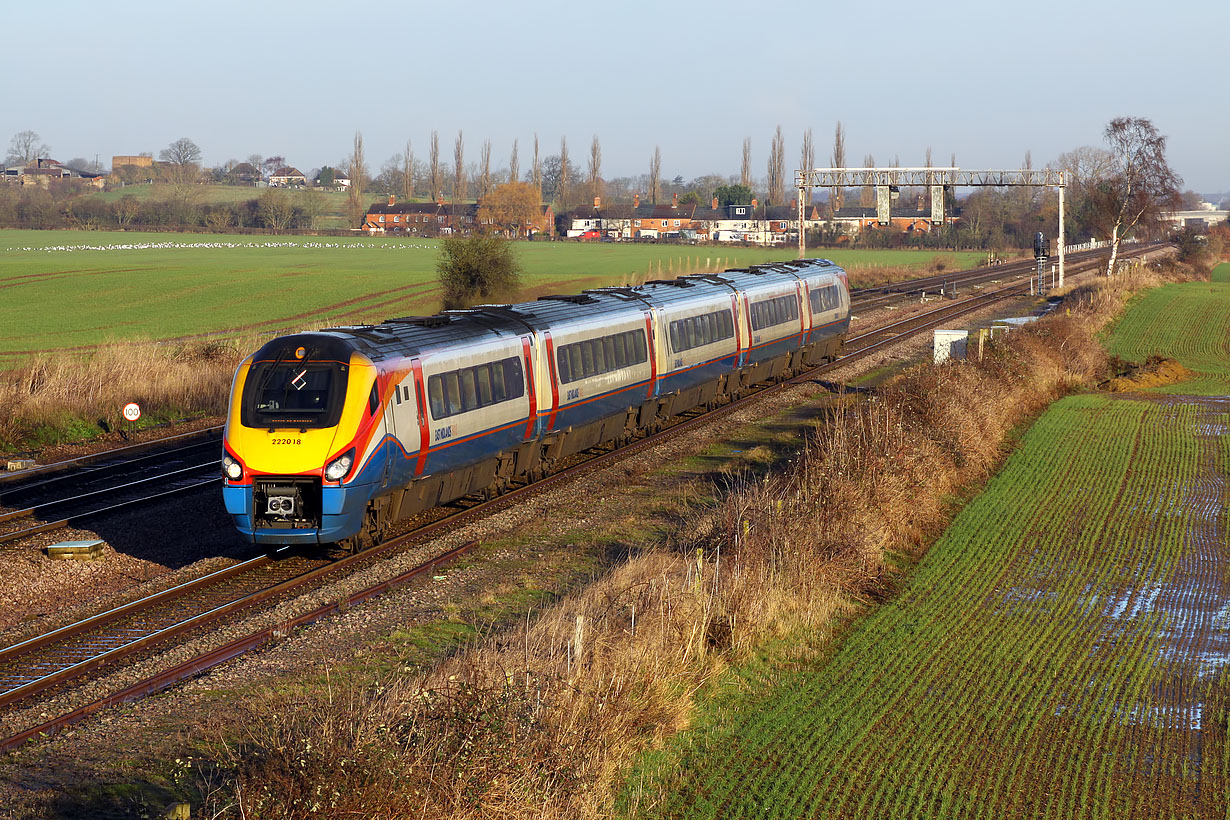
333,435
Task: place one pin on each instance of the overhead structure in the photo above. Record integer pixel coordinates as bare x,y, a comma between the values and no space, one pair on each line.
887,181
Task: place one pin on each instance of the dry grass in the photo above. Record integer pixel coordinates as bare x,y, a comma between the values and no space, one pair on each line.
870,276
62,398
543,719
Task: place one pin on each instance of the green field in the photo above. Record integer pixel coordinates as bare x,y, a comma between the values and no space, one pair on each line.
1189,322
332,212
1059,653
72,289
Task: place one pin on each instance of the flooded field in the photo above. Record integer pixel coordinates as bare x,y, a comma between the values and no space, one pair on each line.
1061,652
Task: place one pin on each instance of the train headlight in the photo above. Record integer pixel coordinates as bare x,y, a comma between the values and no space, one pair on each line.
231,468
340,466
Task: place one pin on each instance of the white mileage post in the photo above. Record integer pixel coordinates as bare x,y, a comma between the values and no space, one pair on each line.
132,412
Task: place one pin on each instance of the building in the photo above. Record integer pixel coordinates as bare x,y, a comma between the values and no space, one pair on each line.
288,177
44,171
437,218
138,161
852,219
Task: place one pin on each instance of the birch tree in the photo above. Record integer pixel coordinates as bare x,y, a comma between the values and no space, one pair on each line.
1141,184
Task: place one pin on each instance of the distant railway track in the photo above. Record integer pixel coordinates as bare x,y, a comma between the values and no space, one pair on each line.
48,663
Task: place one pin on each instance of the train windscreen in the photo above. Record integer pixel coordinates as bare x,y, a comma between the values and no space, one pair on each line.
294,394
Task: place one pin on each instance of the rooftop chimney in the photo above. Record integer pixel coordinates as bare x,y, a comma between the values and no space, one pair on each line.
754,203
715,205
597,202
392,200
636,200
440,201
675,201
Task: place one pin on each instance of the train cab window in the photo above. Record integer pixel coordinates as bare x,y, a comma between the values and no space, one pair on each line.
605,354
470,388
373,400
697,331
292,393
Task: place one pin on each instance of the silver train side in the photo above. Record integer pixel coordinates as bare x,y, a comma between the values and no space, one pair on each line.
334,435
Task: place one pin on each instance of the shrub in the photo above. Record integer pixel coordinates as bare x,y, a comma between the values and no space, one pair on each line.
476,268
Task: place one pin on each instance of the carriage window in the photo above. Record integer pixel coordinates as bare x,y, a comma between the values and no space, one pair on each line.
482,375
593,357
470,388
770,312
825,298
469,392
696,331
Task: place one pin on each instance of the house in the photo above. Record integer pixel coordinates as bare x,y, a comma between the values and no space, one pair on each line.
437,218
287,177
852,219
243,174
660,221
420,218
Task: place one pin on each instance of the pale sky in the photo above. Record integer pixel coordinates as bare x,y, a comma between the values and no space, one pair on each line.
983,79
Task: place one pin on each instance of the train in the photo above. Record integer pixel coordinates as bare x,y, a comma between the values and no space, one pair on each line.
332,436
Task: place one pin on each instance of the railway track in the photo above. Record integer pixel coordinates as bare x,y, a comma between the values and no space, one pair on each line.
63,494
50,662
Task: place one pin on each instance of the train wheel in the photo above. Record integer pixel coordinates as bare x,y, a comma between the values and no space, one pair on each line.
370,534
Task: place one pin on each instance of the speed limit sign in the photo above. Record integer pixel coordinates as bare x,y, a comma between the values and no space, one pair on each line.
132,411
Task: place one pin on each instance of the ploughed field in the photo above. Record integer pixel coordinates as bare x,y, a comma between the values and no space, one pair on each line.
67,289
1060,652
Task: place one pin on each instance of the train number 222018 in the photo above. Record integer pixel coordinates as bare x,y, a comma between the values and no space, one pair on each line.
287,441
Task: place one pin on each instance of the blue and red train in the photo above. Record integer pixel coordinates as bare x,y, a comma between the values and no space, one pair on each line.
333,435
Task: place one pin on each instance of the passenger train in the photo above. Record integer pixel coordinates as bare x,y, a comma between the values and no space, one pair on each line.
333,435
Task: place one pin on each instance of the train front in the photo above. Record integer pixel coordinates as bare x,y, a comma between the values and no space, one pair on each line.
296,435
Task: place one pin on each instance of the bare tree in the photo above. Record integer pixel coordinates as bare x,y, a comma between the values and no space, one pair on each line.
561,192
26,147
407,172
655,174
595,168
536,168
838,160
777,165
357,170
807,161
745,173
484,170
1141,184
181,152
867,194
513,169
434,175
459,168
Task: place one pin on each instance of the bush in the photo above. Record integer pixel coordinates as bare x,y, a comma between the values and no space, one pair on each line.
475,268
